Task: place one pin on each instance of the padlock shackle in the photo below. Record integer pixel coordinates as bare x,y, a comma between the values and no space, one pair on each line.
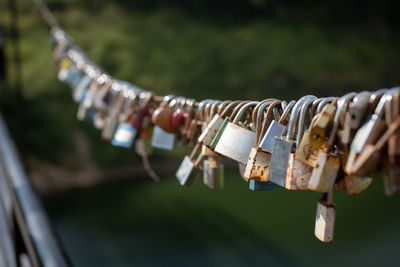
286,112
294,117
324,102
300,125
229,107
244,108
222,106
261,105
263,118
237,108
392,106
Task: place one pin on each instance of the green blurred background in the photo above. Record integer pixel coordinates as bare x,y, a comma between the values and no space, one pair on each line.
205,49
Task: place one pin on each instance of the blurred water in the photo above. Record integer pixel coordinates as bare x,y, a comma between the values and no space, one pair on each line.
140,223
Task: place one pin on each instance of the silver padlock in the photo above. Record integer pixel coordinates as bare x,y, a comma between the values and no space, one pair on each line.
283,146
257,167
298,173
236,141
325,219
213,173
161,139
215,124
188,170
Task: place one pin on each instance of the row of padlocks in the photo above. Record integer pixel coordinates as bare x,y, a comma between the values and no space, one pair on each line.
312,144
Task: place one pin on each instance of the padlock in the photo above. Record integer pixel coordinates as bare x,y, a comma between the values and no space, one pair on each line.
162,116
111,121
213,173
262,186
356,184
324,175
161,139
361,146
316,136
298,173
354,116
213,127
367,133
257,166
284,146
64,67
391,180
325,219
127,131
236,141
188,170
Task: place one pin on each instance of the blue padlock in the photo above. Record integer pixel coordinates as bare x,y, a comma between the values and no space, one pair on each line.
124,136
262,186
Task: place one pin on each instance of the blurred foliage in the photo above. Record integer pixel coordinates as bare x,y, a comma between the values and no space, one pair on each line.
247,49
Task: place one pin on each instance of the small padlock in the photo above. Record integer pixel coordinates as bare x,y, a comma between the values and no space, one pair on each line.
284,146
356,184
188,170
236,141
111,121
299,173
391,179
161,139
257,166
363,154
325,219
316,136
324,175
162,116
213,173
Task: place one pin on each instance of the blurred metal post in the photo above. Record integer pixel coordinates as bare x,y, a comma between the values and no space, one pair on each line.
41,243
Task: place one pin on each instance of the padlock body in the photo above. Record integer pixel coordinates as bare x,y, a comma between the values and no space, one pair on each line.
324,175
211,130
162,139
109,128
74,77
391,180
213,174
275,129
81,89
124,135
257,167
325,221
356,184
236,142
262,186
219,133
186,172
280,160
298,174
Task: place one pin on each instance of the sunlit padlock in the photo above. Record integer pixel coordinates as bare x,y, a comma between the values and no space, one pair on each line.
324,175
257,166
366,134
208,134
213,173
236,141
298,173
354,116
161,139
315,138
283,146
325,219
189,168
